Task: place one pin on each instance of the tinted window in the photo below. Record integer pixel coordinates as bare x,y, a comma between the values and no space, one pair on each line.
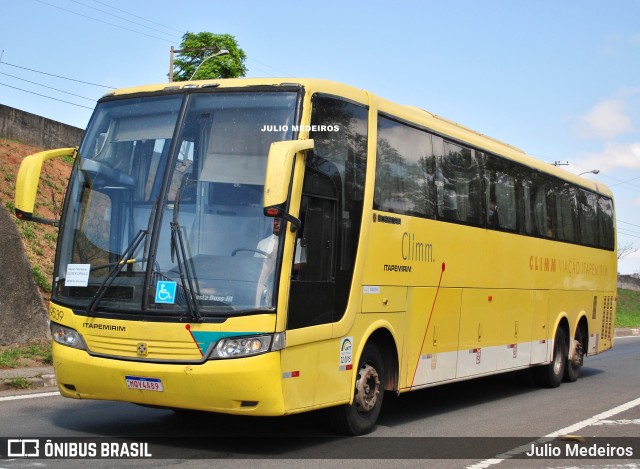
565,211
605,223
500,195
342,155
458,184
331,213
405,170
588,214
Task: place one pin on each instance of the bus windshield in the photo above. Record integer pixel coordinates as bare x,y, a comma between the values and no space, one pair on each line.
164,209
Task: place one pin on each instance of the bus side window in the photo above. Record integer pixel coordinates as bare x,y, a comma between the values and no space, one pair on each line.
459,185
500,196
313,260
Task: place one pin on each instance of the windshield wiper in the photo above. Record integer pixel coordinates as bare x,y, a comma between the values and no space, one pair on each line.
178,251
126,259
186,277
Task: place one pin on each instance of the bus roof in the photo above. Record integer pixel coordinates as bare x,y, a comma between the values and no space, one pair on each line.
410,114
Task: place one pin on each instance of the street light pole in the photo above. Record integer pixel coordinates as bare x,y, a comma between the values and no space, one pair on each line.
173,51
217,54
594,171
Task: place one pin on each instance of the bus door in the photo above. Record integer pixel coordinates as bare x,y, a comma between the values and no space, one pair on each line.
312,296
326,247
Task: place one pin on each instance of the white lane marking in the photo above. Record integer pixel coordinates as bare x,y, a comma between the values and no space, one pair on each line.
29,396
618,422
563,431
590,421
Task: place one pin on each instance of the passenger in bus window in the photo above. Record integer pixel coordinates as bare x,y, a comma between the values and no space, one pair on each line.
549,227
492,215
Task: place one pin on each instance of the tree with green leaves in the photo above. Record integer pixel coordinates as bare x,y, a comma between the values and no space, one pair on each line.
196,60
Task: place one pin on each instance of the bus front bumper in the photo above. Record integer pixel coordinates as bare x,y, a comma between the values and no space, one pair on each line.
250,386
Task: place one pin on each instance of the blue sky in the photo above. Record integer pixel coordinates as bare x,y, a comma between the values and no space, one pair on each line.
560,80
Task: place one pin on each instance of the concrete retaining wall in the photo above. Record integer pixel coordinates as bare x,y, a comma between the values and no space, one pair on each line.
36,130
23,316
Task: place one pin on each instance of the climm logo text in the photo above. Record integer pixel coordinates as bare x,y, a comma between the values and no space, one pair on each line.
545,264
413,250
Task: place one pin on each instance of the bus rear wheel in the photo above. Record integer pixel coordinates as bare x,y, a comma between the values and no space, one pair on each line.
359,417
551,375
574,364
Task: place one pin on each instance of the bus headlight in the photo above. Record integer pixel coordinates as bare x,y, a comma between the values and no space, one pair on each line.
67,336
235,347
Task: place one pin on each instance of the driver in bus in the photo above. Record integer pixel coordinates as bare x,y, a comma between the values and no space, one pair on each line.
269,246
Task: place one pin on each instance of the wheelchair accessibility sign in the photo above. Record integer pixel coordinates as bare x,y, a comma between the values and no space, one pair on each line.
166,292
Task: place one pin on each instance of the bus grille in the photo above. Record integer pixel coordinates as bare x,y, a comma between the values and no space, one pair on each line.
153,350
607,318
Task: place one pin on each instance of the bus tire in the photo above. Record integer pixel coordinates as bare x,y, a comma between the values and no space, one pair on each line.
551,375
359,417
574,365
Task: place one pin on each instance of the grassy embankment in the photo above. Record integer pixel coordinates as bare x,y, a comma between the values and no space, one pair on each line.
628,309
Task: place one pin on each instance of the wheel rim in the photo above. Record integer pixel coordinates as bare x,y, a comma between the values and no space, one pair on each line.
367,389
557,359
576,361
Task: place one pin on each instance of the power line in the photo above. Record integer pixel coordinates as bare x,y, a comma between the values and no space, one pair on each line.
627,223
49,87
625,182
121,18
140,17
629,234
102,21
280,72
45,96
57,76
272,68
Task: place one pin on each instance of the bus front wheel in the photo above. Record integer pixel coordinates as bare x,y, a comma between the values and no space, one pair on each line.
359,417
551,375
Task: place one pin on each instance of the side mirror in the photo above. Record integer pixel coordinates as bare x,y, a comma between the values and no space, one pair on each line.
27,183
279,170
278,177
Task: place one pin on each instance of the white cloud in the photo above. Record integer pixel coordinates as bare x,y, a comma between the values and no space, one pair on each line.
607,119
614,155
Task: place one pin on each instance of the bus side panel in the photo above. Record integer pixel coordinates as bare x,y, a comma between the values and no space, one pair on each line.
312,374
601,320
479,334
431,357
540,327
516,310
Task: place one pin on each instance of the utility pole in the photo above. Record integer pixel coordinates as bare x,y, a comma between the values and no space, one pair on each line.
181,51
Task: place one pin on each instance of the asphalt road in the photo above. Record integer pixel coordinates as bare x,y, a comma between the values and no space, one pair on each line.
474,422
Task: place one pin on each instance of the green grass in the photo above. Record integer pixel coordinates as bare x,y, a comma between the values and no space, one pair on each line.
628,309
36,354
19,383
41,279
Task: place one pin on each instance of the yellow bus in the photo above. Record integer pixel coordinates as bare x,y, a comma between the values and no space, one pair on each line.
268,247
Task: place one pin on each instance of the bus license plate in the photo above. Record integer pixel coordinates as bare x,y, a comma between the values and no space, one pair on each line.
144,384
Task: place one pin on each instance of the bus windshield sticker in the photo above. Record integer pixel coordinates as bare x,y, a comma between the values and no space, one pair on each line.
77,275
166,292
